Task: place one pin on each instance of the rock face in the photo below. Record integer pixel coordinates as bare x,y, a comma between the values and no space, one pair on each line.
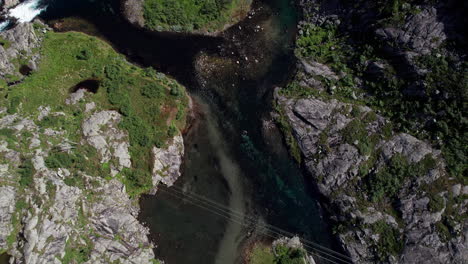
167,162
341,170
422,33
50,213
8,3
133,11
389,194
21,43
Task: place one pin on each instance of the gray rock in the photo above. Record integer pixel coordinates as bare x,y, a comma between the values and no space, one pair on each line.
133,12
422,33
23,44
167,162
336,174
5,4
101,131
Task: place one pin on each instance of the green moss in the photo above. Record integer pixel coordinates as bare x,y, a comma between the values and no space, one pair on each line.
77,253
287,255
6,44
436,203
261,255
286,128
390,241
188,15
26,171
388,180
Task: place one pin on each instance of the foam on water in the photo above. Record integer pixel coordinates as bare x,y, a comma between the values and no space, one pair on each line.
4,25
26,11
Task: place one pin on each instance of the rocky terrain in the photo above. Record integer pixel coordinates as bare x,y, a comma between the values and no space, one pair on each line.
392,179
64,181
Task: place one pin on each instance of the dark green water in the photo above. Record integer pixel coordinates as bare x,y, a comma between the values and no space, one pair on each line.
234,153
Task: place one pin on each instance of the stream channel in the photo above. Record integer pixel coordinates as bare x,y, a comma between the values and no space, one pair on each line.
234,152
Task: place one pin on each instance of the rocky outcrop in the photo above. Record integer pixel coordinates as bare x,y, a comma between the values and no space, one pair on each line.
101,131
422,32
21,45
167,162
344,166
133,12
5,4
51,213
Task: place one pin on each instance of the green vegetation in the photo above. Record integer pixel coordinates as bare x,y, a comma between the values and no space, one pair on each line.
280,254
321,43
390,242
189,15
146,100
387,181
261,255
286,128
6,44
77,253
26,171
287,255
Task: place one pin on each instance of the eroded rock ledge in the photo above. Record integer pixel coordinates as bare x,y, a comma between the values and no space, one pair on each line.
344,165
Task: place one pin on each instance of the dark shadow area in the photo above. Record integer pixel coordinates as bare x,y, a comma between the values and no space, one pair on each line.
25,70
91,85
4,258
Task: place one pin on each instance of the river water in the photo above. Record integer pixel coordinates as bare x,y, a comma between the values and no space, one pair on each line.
235,154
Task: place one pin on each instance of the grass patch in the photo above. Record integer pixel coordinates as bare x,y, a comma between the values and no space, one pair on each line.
189,15
26,171
6,44
77,253
390,241
261,255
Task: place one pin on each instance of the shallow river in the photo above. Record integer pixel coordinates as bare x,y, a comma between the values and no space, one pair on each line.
235,155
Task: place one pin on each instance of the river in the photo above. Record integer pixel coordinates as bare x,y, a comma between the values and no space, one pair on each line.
235,154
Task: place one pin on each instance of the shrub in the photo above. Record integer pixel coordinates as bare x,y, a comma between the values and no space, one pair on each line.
26,171
153,90
287,255
175,91
85,54
436,203
14,103
390,242
6,44
138,130
59,160
387,181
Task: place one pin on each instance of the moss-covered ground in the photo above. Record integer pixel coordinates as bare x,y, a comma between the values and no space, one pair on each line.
189,15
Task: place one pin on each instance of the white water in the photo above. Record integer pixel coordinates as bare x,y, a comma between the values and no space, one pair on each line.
27,11
3,25
24,12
